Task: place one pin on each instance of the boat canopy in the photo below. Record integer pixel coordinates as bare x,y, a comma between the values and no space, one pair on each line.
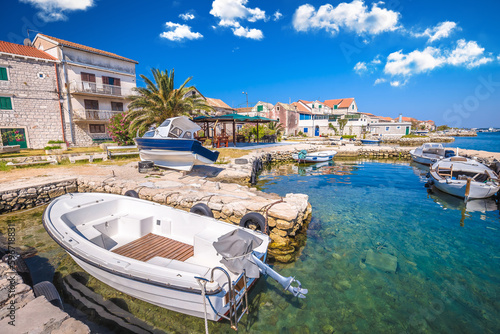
178,127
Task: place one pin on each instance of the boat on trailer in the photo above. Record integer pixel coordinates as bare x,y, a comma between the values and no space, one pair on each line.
430,153
304,156
178,260
172,145
463,177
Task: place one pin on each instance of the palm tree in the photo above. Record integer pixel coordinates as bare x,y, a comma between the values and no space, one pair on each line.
159,100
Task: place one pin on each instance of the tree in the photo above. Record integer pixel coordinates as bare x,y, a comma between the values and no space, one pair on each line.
342,123
442,127
276,128
159,100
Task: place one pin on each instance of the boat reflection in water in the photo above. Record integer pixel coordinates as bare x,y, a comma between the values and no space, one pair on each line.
447,201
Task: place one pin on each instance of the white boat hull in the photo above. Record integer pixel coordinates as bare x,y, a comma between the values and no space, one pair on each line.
97,230
423,159
458,187
316,156
179,160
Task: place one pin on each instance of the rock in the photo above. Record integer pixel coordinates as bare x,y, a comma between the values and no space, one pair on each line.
72,326
385,262
283,211
337,256
342,285
241,161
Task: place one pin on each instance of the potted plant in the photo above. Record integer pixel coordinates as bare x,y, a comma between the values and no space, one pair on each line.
51,150
62,144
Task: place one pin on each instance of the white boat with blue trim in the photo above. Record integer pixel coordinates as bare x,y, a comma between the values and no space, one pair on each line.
172,145
321,156
430,153
178,260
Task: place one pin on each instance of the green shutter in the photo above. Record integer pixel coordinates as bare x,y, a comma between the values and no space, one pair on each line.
335,107
5,103
3,74
260,108
320,106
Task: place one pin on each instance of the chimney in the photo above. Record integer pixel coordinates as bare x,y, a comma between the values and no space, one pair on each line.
400,118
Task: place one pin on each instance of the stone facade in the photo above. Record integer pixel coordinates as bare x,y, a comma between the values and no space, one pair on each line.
32,88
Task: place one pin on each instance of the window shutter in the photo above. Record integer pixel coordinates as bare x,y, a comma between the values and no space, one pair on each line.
3,73
5,103
105,80
92,77
85,76
117,82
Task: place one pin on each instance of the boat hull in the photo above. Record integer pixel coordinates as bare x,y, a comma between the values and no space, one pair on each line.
458,187
180,154
422,159
315,157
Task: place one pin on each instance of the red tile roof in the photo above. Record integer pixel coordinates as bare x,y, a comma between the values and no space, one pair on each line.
340,103
346,102
216,103
406,119
23,50
86,48
245,109
300,107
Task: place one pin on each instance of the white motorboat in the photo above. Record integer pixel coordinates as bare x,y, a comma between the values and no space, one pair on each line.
430,153
178,260
172,145
304,156
464,178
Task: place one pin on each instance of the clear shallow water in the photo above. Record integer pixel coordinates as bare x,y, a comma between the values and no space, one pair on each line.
485,141
448,260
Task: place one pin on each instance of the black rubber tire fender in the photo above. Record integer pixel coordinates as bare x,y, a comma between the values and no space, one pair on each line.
132,193
16,261
48,290
202,210
257,219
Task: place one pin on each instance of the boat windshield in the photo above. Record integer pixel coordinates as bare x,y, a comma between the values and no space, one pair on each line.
165,123
149,134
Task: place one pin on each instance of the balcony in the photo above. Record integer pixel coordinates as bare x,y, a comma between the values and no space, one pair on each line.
94,89
94,115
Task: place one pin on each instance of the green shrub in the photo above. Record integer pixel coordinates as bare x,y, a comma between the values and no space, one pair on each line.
56,142
119,129
348,136
52,147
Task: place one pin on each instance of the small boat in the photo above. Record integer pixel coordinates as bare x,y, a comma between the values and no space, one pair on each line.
172,145
464,178
370,141
304,156
178,260
430,153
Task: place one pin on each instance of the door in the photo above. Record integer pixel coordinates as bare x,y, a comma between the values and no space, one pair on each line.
407,130
14,136
316,131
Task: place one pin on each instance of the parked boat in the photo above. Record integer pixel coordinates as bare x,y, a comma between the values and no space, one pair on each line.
370,141
430,153
178,260
464,178
304,156
172,145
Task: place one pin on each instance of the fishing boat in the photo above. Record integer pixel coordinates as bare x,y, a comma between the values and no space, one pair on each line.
370,141
304,156
172,145
463,177
182,261
430,153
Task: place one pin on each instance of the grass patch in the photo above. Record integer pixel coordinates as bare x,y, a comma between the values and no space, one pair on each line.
414,136
4,167
32,152
230,153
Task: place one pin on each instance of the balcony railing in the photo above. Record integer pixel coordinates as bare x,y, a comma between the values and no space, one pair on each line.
93,88
95,115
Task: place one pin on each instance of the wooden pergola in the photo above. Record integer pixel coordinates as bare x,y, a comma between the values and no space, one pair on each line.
231,119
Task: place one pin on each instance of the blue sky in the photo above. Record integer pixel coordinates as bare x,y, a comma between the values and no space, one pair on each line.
436,60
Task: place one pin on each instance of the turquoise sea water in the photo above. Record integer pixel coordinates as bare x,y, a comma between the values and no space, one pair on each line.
448,259
485,141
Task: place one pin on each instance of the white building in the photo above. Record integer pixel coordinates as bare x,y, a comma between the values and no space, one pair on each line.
96,85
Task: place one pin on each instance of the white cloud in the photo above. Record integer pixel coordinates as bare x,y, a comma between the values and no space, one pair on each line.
231,12
442,30
395,83
186,16
354,16
360,68
55,10
466,54
379,81
248,33
177,32
277,15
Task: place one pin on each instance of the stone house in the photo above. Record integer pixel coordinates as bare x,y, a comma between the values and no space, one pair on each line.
30,113
221,108
95,86
287,116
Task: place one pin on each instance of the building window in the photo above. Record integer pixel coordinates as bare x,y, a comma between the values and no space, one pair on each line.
306,130
335,107
260,108
13,136
386,128
353,106
117,106
97,128
5,103
304,117
41,75
91,104
3,74
320,106
111,81
398,127
278,108
88,77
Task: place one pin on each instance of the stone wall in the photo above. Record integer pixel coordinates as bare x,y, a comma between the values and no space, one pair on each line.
28,197
35,103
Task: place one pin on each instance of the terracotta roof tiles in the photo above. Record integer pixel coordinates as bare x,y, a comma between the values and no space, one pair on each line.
86,48
23,50
216,103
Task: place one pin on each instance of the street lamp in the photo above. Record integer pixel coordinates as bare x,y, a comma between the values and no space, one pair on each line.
247,97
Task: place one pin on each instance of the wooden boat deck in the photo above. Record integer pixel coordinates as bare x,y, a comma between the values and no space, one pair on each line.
151,245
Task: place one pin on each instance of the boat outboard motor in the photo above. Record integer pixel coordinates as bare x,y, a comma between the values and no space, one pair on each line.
286,282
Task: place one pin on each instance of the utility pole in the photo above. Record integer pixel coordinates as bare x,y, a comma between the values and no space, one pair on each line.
246,95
